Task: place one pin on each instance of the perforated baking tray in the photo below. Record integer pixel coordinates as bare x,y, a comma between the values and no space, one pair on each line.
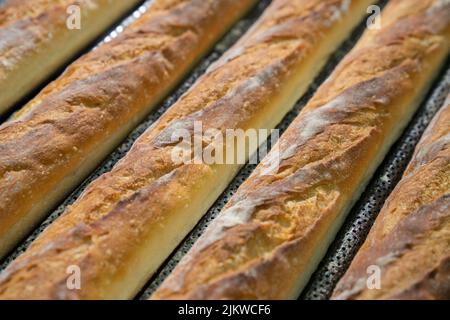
361,217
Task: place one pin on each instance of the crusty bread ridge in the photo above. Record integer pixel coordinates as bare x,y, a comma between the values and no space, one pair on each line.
35,40
129,220
410,241
271,235
60,136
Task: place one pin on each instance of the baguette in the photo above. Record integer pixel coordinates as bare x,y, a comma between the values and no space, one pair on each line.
35,40
129,220
274,231
52,143
410,241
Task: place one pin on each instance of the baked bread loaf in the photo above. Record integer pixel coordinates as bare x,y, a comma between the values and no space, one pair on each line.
129,220
274,231
35,39
52,143
410,241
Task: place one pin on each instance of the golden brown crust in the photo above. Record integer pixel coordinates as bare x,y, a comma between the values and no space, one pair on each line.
270,236
35,40
100,97
410,239
127,221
